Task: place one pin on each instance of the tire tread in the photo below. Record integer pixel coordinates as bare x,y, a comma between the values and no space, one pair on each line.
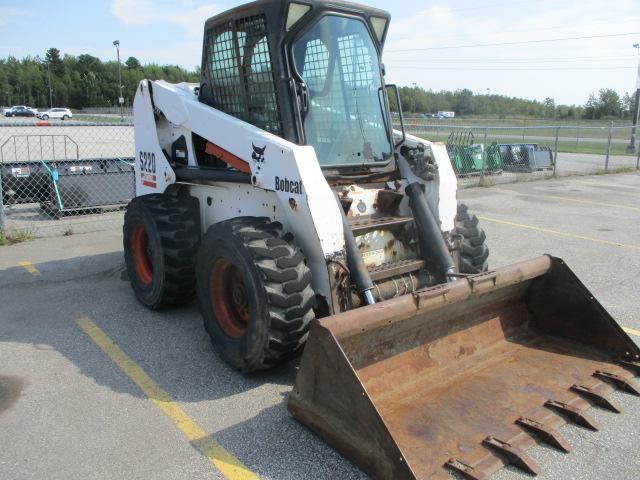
287,282
179,237
474,253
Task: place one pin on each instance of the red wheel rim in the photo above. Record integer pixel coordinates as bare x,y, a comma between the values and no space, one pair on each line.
229,298
141,251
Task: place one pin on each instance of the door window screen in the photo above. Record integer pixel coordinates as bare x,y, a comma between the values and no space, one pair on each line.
239,72
316,65
346,120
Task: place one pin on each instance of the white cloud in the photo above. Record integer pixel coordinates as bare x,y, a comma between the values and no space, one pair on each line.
187,14
8,15
556,69
527,70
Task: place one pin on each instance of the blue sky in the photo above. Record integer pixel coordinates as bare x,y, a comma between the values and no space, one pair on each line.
170,32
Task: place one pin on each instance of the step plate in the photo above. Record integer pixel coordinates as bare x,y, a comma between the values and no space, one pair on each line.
361,225
389,270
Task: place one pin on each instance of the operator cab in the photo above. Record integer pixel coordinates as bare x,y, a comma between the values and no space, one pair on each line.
310,74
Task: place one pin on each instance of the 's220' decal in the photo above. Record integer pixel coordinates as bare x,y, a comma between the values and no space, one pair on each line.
148,169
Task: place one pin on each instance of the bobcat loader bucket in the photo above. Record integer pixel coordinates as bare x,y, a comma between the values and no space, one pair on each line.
464,376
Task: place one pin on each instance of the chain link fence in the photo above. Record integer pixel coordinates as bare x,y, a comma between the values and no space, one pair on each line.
112,111
486,155
62,178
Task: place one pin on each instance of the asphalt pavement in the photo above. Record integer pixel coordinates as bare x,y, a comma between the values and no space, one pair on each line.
75,406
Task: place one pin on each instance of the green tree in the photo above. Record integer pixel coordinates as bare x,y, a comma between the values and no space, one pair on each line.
609,104
463,102
86,81
55,61
628,105
549,107
591,107
132,63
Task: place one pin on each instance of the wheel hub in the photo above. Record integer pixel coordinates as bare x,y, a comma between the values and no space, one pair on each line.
229,298
142,254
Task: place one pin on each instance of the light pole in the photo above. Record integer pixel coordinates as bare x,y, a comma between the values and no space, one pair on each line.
50,89
415,97
632,144
120,98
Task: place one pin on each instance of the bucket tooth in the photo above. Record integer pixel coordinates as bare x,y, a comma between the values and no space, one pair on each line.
618,381
546,433
466,471
629,364
592,394
514,455
573,414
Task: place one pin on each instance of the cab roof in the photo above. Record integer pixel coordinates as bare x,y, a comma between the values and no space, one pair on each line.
276,11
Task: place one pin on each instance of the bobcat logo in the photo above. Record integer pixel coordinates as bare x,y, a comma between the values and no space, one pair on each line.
258,155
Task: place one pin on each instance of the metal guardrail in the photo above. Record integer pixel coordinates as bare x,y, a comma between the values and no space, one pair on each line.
66,123
53,139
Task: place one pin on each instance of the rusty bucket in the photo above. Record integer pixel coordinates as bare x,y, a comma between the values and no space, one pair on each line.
464,376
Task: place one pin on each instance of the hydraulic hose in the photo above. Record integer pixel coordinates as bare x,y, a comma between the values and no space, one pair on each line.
359,273
432,245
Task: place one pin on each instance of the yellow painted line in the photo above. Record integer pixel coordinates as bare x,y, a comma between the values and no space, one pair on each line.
229,465
559,233
29,267
569,199
632,331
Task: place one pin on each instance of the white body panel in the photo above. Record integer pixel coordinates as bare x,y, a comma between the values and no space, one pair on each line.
152,170
447,186
443,191
288,184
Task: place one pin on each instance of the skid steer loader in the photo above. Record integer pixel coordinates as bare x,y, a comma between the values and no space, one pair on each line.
277,192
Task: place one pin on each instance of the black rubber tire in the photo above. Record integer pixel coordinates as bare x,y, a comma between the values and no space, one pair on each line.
473,258
278,288
171,225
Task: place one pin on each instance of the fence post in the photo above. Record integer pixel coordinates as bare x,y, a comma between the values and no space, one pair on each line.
555,152
2,215
484,154
638,160
524,127
606,162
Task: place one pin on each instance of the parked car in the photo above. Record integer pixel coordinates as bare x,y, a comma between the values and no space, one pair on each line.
62,113
443,114
20,111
